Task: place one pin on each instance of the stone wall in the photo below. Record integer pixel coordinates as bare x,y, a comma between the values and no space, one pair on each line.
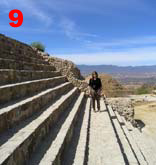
69,69
125,108
10,46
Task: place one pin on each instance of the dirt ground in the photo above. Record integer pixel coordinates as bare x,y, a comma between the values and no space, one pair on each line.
146,112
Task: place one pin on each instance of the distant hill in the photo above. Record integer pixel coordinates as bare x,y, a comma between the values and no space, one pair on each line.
111,69
125,75
110,86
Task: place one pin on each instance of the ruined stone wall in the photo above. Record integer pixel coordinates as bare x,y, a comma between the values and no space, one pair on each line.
10,48
125,108
68,69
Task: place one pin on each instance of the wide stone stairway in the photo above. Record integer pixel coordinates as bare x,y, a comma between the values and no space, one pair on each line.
45,120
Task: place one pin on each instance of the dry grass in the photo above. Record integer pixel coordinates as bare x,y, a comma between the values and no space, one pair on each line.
146,112
111,87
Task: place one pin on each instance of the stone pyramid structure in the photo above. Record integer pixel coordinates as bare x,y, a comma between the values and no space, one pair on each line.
46,117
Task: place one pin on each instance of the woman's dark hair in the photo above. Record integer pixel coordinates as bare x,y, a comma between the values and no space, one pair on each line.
94,73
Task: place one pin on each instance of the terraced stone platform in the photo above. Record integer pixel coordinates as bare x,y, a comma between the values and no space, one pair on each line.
44,119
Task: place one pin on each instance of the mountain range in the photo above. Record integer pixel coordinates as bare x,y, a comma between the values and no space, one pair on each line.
112,69
124,74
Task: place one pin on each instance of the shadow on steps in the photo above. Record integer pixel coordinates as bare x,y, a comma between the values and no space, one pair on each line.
69,153
5,136
140,124
37,156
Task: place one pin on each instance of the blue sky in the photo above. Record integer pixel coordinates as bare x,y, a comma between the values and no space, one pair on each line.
117,32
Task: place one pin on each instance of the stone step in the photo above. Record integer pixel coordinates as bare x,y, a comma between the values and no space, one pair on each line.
21,65
16,112
20,147
146,148
41,150
20,90
69,152
54,154
103,145
128,154
14,47
138,154
10,76
82,146
22,57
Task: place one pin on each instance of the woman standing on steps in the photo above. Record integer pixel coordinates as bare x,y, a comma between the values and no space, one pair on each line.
95,89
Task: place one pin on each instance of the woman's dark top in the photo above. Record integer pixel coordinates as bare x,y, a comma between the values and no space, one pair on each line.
95,84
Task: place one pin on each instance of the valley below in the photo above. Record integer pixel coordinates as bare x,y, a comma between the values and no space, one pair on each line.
128,75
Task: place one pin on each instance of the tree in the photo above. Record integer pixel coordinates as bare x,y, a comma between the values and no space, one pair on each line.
38,45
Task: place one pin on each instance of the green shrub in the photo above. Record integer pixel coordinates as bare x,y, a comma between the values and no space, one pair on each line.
38,45
144,89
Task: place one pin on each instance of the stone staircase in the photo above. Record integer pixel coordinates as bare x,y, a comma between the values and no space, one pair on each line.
45,120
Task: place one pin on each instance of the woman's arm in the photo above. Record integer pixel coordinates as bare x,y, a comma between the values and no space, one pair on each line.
100,87
90,82
90,87
100,84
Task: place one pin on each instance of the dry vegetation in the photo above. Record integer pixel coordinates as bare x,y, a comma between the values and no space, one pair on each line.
146,112
111,87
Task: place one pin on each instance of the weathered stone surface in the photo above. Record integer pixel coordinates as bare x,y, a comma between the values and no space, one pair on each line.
128,134
22,144
27,139
103,144
80,155
21,57
69,69
129,155
20,65
13,114
25,53
9,76
124,106
20,90
14,47
64,136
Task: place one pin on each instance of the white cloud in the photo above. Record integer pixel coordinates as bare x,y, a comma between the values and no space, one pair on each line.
30,7
47,10
69,27
4,3
38,10
40,14
137,56
123,43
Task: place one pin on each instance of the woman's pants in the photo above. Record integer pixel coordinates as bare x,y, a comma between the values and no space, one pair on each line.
95,96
